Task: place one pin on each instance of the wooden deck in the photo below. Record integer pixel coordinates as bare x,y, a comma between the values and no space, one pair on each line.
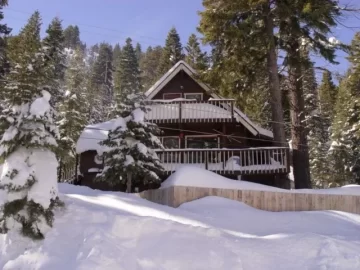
249,161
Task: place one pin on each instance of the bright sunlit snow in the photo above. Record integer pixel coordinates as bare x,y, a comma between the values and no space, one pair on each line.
108,230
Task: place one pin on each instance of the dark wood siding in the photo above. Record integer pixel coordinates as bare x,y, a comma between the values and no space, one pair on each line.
182,83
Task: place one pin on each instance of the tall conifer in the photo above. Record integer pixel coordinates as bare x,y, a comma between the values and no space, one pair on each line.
29,176
172,52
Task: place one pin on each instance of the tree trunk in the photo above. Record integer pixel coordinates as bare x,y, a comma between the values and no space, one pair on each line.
129,182
274,83
277,112
300,153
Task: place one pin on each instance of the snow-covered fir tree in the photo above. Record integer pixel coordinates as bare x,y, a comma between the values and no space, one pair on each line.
74,108
29,174
129,155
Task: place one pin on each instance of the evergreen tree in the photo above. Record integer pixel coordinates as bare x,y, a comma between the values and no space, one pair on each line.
138,52
102,84
128,73
194,56
317,124
55,59
116,55
242,38
4,32
73,110
302,22
29,177
4,63
130,157
149,65
327,94
172,52
72,38
346,125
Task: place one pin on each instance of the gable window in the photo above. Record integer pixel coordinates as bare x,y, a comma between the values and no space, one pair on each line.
171,95
197,96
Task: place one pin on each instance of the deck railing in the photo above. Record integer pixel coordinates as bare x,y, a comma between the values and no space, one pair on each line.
228,161
175,111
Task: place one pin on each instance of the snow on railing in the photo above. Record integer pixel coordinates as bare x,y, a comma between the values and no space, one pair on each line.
174,111
229,161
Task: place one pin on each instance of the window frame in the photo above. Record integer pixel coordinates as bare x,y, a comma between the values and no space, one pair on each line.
164,94
165,137
201,95
202,136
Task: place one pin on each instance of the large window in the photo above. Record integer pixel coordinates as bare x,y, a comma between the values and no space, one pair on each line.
202,142
197,96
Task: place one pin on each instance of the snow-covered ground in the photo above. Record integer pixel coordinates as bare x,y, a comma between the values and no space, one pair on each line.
108,230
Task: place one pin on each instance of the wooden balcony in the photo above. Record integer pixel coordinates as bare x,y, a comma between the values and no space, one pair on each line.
249,161
188,111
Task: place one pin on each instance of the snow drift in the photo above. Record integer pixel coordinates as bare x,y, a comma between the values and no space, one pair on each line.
108,230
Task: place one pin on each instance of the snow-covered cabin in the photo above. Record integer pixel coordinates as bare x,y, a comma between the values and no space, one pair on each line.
199,128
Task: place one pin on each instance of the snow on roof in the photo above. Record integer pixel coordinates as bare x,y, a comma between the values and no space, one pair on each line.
188,111
182,65
92,135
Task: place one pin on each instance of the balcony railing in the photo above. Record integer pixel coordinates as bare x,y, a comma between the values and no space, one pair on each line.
269,160
175,111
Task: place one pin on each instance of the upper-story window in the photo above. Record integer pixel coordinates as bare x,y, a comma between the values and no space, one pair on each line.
171,95
197,96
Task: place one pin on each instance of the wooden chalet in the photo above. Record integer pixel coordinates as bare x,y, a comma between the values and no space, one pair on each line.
199,128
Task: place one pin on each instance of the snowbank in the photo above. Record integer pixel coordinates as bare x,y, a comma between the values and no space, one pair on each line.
196,177
191,176
108,230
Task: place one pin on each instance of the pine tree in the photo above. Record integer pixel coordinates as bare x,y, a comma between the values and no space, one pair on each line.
55,59
116,55
138,52
4,32
130,157
72,38
29,176
346,125
73,110
149,65
302,22
102,84
128,73
194,56
172,52
242,38
327,94
317,124
4,63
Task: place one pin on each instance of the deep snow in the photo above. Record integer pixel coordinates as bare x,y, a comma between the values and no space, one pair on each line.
108,230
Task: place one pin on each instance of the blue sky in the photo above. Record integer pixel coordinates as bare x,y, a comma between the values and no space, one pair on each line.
145,21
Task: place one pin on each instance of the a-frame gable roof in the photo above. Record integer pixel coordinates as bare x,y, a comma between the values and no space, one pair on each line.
172,72
185,67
